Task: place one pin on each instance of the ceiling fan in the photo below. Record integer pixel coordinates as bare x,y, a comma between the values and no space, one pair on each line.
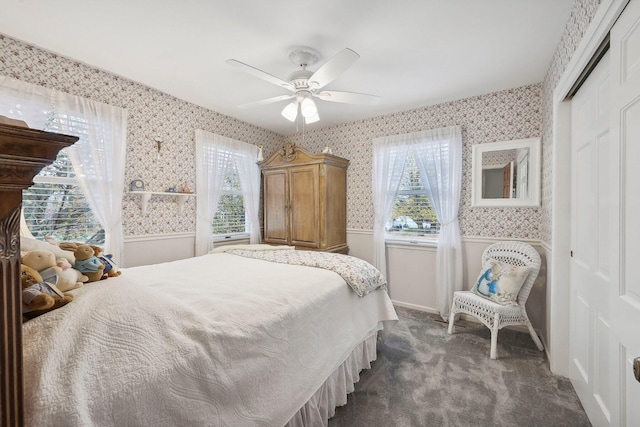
305,85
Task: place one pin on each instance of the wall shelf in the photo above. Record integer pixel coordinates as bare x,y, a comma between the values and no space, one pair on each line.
145,196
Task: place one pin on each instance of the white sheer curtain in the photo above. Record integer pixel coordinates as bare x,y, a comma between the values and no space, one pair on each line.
389,157
215,155
438,153
98,158
249,172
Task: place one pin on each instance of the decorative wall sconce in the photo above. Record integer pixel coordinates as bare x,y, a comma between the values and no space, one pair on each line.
260,156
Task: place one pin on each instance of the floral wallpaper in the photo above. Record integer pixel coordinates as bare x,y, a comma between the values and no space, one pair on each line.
517,113
500,116
581,15
151,114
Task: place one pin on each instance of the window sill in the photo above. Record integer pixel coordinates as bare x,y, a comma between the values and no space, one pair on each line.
231,237
430,243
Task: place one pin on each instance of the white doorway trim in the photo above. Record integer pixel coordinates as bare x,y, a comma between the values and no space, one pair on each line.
558,290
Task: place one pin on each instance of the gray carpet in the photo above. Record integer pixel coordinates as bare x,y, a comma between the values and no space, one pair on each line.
426,377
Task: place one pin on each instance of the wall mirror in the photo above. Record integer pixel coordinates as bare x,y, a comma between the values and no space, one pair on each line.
506,174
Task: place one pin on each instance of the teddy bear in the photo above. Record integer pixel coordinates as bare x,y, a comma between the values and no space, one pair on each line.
44,262
38,296
69,278
52,271
86,262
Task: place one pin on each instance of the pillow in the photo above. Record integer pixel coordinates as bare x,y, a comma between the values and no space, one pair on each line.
500,282
27,244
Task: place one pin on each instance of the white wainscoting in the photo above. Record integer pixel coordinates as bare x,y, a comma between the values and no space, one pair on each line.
410,268
544,327
410,275
157,248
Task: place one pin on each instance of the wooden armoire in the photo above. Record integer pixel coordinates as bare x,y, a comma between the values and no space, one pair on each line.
305,200
23,153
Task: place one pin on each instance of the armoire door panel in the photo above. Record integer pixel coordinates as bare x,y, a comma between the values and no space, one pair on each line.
336,206
304,200
276,207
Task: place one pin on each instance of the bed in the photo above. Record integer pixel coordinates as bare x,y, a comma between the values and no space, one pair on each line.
228,338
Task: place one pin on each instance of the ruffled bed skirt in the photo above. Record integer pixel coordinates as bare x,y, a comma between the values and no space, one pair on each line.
333,392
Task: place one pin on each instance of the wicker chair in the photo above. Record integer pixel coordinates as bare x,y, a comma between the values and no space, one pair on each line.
495,316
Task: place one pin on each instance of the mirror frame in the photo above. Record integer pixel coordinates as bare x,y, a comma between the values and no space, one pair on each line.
534,174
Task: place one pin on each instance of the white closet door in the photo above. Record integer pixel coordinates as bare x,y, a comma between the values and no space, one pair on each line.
624,298
590,239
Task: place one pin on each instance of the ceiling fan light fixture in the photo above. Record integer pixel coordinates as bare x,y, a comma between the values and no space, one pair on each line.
290,112
308,107
312,119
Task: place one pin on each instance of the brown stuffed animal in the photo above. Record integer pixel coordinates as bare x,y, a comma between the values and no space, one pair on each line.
86,262
39,297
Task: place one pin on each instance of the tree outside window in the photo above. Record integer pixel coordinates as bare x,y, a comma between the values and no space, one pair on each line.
55,206
230,217
412,215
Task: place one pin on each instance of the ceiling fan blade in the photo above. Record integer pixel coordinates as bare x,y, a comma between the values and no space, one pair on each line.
267,101
331,69
260,74
348,97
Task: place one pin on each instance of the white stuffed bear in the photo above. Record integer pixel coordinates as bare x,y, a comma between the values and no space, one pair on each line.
45,263
69,277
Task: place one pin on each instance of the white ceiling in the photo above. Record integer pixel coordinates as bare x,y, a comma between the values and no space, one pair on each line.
414,53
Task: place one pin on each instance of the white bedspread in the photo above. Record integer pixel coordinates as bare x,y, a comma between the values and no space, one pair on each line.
217,340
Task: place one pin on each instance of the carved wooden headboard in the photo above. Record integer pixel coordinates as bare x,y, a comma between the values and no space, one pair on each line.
23,153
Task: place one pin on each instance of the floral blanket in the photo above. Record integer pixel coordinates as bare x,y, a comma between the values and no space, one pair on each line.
361,276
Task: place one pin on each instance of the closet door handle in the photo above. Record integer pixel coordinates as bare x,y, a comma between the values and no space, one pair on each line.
636,368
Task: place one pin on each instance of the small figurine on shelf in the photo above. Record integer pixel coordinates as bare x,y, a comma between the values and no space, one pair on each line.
171,190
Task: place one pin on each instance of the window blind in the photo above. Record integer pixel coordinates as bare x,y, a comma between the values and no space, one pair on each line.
230,217
55,205
412,214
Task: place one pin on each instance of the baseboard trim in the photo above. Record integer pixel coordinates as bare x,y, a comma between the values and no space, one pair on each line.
415,307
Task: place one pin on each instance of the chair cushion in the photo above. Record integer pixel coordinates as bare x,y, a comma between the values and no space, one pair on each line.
500,282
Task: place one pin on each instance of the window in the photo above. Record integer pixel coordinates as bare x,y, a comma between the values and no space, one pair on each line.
412,216
230,216
86,206
55,205
228,185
